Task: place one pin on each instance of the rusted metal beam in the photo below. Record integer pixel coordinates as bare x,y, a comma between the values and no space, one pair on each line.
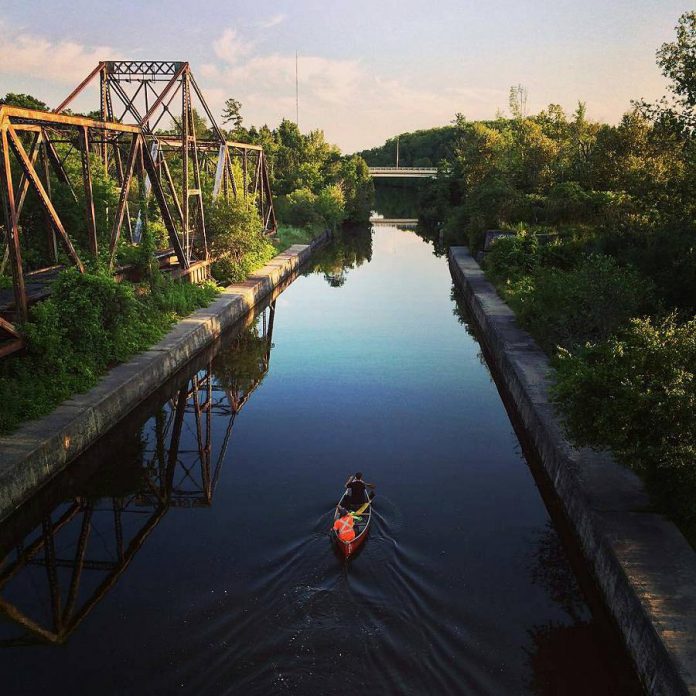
245,167
52,241
79,88
24,182
145,121
123,197
157,190
210,145
89,197
128,102
104,111
12,230
270,223
9,328
46,118
198,192
14,614
57,165
119,172
172,189
214,125
78,563
185,124
165,110
30,172
11,347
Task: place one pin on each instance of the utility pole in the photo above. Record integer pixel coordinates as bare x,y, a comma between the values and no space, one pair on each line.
297,96
397,151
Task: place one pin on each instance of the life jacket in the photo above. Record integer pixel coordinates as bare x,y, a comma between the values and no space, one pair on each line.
344,528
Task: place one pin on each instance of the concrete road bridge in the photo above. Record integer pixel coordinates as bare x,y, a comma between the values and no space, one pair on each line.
403,172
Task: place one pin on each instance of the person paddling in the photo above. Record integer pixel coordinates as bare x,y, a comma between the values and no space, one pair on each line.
344,525
356,489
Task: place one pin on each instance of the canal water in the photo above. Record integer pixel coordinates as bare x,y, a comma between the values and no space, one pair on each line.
188,552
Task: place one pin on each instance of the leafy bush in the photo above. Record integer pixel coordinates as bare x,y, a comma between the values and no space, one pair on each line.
636,394
570,202
331,205
286,236
512,257
299,208
567,308
237,243
89,323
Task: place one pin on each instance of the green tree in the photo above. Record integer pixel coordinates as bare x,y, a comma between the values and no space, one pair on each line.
232,113
23,101
677,60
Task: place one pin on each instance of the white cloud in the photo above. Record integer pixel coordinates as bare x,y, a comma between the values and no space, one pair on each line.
34,56
354,107
230,48
273,21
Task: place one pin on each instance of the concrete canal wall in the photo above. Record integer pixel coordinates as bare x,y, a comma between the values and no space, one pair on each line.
42,448
645,569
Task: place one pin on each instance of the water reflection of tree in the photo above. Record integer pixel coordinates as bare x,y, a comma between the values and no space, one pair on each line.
573,656
240,369
350,248
401,199
72,544
398,198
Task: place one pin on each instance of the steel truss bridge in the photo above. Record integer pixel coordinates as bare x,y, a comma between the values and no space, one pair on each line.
42,151
73,550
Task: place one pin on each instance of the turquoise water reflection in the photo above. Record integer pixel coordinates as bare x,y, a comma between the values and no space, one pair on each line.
462,587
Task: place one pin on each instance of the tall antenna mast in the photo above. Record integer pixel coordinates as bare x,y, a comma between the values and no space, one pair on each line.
297,96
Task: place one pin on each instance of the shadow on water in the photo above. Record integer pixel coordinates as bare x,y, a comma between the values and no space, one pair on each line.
585,656
74,540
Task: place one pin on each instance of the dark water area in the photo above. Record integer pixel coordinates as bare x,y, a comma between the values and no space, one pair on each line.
188,551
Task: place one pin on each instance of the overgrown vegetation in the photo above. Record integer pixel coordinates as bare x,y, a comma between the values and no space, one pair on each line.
287,235
90,323
237,244
601,264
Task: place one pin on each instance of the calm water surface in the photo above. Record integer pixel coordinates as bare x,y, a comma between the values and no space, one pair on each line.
189,551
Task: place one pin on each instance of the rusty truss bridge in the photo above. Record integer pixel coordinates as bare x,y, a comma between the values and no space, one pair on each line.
147,138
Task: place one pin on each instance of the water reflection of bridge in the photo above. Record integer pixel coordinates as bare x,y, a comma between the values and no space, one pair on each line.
402,223
78,548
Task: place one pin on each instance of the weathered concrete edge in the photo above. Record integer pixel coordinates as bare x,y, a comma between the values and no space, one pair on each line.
42,448
643,566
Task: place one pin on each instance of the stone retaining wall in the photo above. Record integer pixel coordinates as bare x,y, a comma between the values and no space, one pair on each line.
643,566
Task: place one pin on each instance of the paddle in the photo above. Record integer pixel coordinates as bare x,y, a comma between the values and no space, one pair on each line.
364,507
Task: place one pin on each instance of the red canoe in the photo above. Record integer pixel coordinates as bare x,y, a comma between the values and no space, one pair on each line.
361,527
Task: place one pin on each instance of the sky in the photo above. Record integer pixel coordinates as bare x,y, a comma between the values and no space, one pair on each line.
367,69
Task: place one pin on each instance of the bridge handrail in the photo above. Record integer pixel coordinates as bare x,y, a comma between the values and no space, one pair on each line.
404,169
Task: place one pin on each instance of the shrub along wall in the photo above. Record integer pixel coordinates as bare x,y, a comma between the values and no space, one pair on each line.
625,366
89,324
